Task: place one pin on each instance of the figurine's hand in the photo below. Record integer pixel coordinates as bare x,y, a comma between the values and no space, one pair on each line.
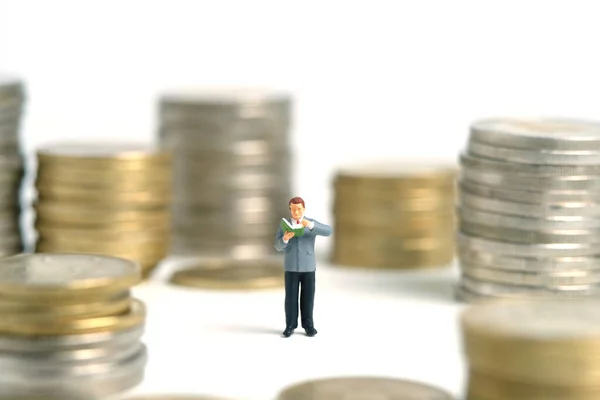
305,223
288,235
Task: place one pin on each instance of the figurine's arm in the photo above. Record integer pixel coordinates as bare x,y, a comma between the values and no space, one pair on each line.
320,229
280,244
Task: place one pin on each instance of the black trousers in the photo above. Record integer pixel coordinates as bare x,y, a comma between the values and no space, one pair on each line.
302,283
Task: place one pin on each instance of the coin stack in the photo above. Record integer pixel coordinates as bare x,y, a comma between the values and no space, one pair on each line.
362,388
12,166
102,198
69,328
533,349
227,273
529,213
232,170
394,215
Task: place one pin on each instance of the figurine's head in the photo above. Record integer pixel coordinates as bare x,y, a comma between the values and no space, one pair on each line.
296,207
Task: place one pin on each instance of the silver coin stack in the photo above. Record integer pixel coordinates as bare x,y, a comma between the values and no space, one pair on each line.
232,166
69,328
529,210
12,103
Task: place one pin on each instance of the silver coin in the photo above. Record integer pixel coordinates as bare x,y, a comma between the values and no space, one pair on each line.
557,222
70,342
554,157
464,295
362,388
540,196
530,236
564,266
527,250
54,271
75,370
90,387
504,167
542,279
495,289
490,204
68,357
532,182
544,133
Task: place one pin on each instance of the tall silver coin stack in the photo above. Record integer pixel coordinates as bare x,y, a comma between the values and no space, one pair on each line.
529,213
12,166
232,166
69,328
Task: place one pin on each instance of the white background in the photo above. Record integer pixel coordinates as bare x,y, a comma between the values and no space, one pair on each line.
371,79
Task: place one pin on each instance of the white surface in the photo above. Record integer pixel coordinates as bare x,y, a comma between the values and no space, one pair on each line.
397,324
378,78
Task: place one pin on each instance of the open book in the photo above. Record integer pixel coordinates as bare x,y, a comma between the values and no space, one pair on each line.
287,226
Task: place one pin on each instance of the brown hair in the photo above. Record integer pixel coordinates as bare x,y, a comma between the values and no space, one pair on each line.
296,200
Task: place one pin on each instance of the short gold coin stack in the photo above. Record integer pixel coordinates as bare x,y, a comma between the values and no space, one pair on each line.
231,274
101,198
394,215
533,350
69,327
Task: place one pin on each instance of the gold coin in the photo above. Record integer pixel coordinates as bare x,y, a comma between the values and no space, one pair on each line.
445,224
395,175
232,274
143,255
484,386
156,173
155,198
405,260
362,388
546,342
84,214
61,276
118,228
52,327
109,185
109,247
356,205
175,397
52,310
103,234
126,156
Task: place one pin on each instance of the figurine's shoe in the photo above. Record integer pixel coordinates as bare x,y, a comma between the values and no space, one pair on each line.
288,331
310,331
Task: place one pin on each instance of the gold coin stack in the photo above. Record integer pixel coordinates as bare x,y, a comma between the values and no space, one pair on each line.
231,274
100,198
362,387
534,350
69,328
394,215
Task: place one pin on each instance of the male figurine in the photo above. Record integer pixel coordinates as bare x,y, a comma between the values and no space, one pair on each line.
300,266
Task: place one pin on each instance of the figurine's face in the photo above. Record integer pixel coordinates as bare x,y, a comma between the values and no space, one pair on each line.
297,211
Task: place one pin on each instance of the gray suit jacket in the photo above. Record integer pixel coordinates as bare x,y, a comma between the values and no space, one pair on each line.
300,251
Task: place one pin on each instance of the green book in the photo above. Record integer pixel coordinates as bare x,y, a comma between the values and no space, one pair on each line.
287,227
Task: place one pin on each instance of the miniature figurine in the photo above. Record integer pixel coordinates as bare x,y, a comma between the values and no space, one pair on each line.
296,237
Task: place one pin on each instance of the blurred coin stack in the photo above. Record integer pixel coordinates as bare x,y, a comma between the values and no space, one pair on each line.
394,215
356,387
102,198
534,350
529,213
232,163
12,166
69,328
